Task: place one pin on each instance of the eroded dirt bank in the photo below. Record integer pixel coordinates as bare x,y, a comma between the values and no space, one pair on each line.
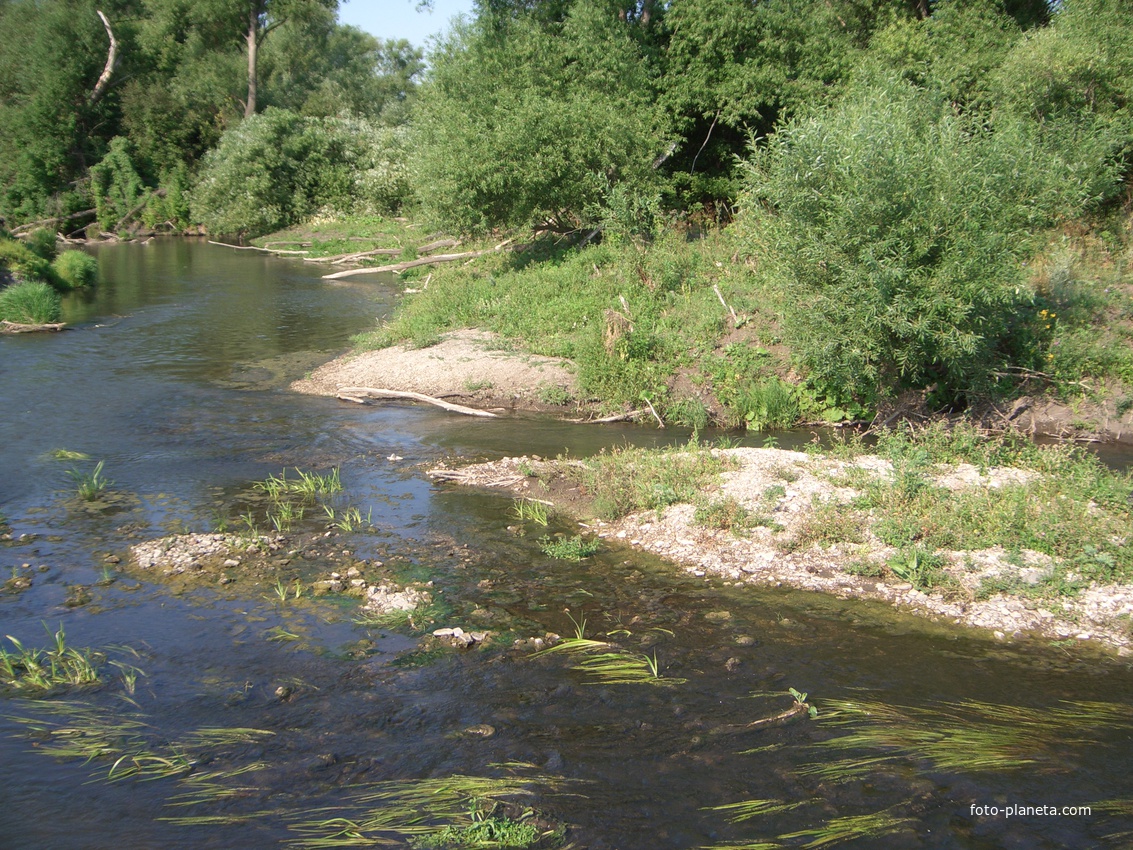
789,487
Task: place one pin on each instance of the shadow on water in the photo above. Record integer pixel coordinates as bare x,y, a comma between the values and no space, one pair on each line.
173,381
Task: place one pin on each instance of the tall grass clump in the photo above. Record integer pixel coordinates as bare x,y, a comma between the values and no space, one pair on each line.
30,303
75,270
891,236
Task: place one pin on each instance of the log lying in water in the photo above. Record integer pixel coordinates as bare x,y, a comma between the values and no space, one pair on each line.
19,328
360,394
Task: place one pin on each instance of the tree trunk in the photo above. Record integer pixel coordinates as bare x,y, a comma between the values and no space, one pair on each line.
111,62
253,43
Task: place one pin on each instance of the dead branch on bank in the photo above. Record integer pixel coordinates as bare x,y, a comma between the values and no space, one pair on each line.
360,394
423,261
43,222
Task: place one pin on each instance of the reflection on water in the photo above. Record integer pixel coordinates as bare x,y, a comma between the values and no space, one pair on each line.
174,380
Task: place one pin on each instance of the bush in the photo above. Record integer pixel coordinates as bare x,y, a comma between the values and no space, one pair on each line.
41,242
279,168
74,269
115,185
23,263
30,303
891,236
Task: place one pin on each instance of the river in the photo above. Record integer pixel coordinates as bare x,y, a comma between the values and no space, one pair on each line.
174,376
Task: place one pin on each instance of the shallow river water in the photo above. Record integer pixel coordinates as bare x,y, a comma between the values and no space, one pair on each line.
174,377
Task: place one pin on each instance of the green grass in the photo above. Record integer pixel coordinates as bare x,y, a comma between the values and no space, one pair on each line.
75,270
420,811
969,736
39,671
90,485
530,510
626,480
125,746
568,548
30,303
1073,509
308,487
605,663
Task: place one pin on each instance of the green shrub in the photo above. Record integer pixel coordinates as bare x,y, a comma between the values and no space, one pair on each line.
279,168
41,242
30,303
115,185
23,263
891,236
74,269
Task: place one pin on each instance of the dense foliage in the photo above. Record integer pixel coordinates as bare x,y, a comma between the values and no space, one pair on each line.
181,79
893,234
893,172
279,167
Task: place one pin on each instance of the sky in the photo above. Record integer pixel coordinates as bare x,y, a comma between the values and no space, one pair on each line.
400,18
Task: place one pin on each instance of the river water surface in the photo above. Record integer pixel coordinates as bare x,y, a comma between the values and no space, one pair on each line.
175,377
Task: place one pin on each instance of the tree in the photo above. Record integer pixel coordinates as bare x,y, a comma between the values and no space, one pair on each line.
263,16
523,125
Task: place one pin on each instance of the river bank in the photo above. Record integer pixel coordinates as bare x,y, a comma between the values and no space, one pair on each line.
816,522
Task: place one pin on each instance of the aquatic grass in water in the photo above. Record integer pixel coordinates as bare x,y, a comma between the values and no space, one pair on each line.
44,670
415,810
606,663
68,730
530,509
309,486
568,548
91,484
969,736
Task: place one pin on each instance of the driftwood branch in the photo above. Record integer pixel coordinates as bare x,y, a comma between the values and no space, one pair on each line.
359,394
660,423
617,417
424,261
356,255
111,62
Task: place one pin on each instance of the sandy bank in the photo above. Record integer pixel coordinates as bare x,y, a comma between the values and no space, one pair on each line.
468,366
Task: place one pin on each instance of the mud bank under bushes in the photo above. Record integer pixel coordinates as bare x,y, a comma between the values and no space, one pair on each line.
794,541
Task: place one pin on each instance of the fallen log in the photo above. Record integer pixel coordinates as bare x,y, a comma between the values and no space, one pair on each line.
423,261
359,394
357,255
255,248
20,328
437,245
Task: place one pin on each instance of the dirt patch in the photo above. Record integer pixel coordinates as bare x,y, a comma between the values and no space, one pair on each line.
468,366
787,487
